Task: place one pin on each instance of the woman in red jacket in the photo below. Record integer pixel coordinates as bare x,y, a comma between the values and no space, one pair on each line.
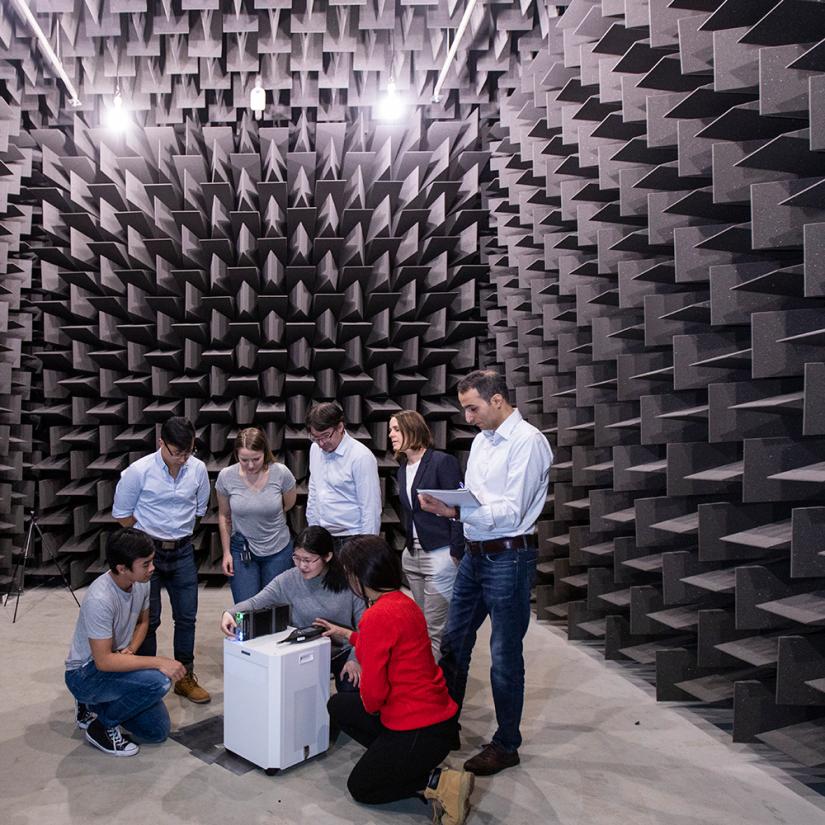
403,715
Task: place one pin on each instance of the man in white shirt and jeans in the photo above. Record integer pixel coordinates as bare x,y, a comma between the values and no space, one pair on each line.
508,472
344,494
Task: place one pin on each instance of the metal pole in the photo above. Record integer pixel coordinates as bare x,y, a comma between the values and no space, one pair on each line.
21,567
46,47
465,21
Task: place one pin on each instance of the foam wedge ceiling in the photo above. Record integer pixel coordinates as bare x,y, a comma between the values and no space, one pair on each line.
230,269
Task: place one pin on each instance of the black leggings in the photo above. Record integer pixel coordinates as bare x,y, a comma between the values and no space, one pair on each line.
339,658
397,763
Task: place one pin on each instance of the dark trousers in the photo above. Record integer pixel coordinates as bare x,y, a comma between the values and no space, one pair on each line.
397,764
340,656
495,585
339,541
176,571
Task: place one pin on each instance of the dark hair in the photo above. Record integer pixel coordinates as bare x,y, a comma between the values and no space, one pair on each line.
415,434
179,432
324,415
371,562
486,383
254,438
319,542
125,546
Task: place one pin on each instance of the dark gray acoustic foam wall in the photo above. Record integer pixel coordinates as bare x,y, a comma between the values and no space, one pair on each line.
243,273
232,270
16,328
660,210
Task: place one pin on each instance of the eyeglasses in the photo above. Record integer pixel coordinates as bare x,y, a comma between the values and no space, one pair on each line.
175,453
304,561
323,437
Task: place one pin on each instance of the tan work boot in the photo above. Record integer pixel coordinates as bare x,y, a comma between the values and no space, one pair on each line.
189,688
451,797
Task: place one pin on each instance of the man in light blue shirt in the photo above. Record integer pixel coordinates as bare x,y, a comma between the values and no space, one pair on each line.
344,493
161,495
508,472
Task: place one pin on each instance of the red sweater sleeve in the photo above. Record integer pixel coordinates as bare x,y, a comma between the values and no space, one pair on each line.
373,645
399,677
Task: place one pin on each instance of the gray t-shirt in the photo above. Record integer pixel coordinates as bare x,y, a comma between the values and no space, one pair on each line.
308,600
258,515
107,612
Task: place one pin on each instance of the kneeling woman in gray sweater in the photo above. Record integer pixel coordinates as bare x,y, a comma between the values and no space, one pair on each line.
315,588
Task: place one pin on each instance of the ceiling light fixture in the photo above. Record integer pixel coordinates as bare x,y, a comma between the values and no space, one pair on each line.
46,47
392,105
257,99
451,53
117,117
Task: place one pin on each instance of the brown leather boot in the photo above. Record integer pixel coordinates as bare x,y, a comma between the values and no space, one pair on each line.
189,688
492,759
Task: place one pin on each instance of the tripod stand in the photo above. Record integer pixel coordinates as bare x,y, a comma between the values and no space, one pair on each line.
20,565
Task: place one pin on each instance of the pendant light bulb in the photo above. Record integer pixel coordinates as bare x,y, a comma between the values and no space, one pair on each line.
117,117
391,107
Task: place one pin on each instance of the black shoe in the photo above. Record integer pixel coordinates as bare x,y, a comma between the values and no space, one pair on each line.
83,716
110,740
492,759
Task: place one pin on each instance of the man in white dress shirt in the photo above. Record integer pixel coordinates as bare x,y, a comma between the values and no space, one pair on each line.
162,495
508,472
344,494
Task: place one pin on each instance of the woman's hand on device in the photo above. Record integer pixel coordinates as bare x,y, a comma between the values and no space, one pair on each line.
333,630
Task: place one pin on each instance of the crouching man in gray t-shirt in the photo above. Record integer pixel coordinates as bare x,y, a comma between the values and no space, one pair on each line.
111,685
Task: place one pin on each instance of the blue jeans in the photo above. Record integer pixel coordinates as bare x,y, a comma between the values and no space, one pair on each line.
133,699
176,571
495,585
254,575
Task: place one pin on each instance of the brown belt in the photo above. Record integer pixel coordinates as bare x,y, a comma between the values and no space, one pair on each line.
526,542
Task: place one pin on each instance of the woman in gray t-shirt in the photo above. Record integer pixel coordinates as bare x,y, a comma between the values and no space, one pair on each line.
253,496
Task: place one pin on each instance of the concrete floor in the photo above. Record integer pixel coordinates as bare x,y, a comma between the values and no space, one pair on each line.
598,750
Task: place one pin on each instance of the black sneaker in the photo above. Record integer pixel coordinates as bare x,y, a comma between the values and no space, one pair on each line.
83,716
110,740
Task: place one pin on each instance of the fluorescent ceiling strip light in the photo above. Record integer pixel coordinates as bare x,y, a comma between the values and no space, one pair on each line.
459,33
48,51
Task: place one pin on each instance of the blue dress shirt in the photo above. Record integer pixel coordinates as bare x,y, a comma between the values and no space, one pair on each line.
344,494
162,506
508,472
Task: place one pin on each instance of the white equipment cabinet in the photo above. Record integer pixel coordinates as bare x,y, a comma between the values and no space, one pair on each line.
275,699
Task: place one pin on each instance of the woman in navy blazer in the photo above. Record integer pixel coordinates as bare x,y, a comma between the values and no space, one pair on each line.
434,544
